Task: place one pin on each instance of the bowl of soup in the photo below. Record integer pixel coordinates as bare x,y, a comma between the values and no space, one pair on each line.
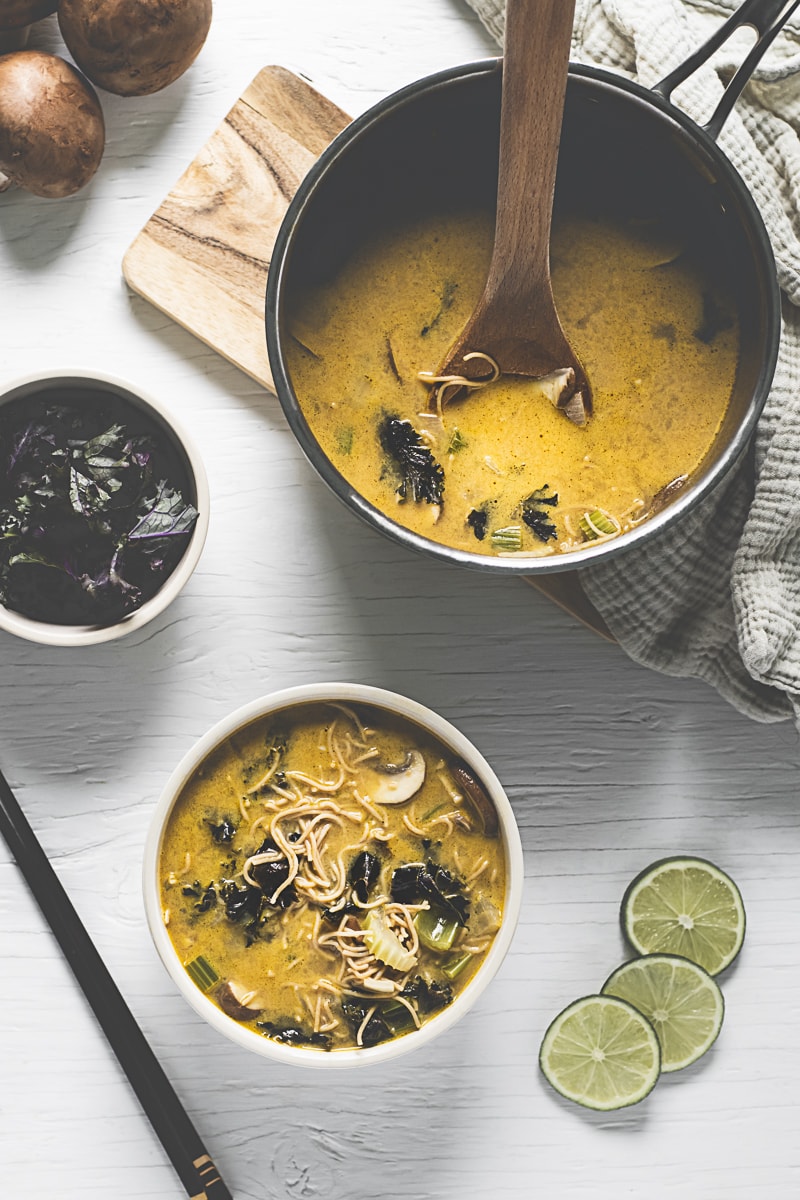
333,875
104,507
663,279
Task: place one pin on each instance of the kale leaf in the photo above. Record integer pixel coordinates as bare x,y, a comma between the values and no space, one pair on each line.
422,476
291,1035
363,874
224,833
269,876
355,1012
413,883
476,519
534,515
430,994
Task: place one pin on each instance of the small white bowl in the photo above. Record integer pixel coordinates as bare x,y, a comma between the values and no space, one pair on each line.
84,635
347,693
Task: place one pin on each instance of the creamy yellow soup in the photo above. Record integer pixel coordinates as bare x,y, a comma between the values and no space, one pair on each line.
332,877
657,335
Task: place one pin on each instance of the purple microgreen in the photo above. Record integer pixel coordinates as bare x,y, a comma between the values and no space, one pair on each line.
169,515
92,512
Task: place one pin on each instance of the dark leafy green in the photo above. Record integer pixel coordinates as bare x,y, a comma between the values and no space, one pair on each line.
430,995
224,832
241,902
292,1035
271,875
421,476
536,517
413,883
93,509
363,874
476,519
206,897
389,1017
355,1013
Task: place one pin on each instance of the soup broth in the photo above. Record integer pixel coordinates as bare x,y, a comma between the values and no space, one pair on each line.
648,318
332,877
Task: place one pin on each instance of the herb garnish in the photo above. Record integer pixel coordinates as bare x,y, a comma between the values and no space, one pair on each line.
422,475
93,515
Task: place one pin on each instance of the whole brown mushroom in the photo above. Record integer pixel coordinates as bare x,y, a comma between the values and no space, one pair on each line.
52,133
134,47
16,16
16,13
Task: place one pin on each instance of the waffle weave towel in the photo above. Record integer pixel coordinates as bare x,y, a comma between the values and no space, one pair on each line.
719,597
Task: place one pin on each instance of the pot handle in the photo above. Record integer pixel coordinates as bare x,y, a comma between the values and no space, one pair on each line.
768,18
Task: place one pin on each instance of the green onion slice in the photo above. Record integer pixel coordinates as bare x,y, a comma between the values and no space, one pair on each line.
201,972
455,965
598,523
509,538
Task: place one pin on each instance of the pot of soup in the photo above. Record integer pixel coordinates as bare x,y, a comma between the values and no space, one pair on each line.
663,277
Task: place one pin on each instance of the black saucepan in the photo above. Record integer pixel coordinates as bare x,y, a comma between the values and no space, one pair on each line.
433,147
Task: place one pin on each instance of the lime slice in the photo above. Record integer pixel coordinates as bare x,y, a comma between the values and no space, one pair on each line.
685,906
680,1000
602,1053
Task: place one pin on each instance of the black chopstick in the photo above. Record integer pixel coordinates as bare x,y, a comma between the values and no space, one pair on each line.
167,1115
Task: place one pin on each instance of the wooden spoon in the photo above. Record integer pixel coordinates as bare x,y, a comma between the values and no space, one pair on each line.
515,324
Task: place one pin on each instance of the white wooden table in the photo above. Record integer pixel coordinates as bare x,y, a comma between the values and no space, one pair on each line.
608,766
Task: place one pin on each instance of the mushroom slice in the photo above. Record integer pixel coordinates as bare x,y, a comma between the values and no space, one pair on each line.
486,811
554,385
236,1001
559,389
394,783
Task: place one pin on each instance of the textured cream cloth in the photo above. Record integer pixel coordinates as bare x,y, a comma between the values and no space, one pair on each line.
718,598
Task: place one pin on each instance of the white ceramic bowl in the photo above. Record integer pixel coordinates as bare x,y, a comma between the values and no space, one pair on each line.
84,635
347,693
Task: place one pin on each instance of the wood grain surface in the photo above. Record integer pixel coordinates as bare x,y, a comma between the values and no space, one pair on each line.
203,256
608,766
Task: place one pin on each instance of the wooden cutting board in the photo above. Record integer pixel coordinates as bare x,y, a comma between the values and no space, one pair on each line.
203,256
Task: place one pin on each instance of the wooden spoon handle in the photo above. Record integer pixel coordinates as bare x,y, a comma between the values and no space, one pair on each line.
528,143
514,328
